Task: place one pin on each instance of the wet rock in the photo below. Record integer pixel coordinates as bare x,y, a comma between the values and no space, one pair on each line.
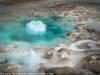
79,27
97,30
92,62
49,55
86,35
94,29
93,45
82,45
9,68
63,71
64,53
58,59
73,35
31,14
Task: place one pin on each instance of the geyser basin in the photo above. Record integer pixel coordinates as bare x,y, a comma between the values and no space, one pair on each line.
37,30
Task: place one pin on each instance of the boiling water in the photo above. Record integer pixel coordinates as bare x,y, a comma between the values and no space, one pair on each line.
37,30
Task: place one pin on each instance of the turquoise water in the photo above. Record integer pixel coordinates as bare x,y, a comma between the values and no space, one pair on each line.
56,30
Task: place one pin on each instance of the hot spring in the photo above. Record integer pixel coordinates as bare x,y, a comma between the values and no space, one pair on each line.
48,30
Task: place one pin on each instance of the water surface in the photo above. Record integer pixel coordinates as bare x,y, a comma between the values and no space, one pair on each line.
56,29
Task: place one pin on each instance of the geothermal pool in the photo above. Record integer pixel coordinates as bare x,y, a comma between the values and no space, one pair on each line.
48,30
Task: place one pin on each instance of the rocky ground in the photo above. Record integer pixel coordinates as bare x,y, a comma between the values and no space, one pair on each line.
81,56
